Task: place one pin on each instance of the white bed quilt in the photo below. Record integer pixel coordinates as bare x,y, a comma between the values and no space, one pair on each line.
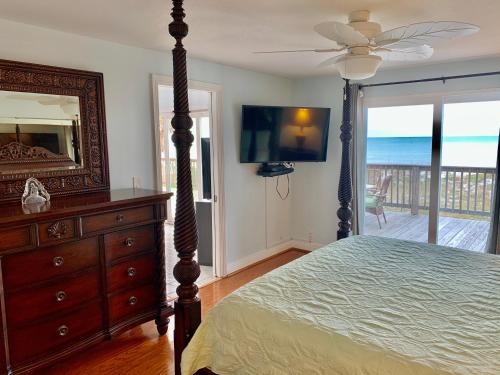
360,306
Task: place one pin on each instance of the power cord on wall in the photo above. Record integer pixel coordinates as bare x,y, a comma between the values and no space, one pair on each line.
283,197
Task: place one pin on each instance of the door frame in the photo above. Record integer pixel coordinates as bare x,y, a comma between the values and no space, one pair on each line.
217,162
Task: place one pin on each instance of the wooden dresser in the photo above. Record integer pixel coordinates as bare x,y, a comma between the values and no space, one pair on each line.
87,268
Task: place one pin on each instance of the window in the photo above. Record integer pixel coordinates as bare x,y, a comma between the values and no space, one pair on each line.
430,169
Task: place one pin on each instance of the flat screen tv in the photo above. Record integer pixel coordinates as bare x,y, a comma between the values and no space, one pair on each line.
283,134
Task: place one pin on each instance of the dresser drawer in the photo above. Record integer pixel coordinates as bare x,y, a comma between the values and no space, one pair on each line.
30,304
15,238
56,231
129,241
54,333
117,218
132,302
46,263
132,272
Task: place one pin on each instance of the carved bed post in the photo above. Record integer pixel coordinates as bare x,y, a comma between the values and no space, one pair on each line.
344,212
75,141
186,271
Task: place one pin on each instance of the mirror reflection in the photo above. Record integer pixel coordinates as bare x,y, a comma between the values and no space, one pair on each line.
39,131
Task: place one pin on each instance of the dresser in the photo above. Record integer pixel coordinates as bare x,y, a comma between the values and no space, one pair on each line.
81,271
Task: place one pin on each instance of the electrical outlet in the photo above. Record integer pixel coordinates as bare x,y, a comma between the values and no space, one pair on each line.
136,182
310,237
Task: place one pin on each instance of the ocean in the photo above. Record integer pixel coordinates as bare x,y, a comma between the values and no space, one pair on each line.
457,151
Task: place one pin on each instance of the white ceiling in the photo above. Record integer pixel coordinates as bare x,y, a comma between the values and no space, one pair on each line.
227,31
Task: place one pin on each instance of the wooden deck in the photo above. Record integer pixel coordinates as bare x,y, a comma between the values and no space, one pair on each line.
461,233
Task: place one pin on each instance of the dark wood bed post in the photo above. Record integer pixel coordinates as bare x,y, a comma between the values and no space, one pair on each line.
344,212
186,271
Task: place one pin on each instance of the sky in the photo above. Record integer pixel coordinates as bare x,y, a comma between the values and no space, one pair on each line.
459,120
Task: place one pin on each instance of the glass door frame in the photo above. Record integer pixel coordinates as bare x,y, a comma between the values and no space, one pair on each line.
438,100
469,97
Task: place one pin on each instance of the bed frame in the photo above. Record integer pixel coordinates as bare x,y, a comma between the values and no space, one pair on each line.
187,306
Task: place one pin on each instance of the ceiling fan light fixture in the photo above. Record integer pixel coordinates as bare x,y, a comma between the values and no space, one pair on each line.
367,45
358,67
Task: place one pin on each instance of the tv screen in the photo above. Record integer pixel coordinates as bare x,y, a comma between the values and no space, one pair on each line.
281,134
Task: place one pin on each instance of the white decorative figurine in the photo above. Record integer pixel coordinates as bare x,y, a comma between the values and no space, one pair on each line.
34,193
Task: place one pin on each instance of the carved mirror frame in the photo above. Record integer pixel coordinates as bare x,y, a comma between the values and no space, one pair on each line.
88,86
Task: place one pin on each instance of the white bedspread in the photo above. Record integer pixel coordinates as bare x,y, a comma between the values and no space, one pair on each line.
360,306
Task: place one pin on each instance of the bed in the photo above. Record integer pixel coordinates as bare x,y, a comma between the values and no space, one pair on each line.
360,306
363,305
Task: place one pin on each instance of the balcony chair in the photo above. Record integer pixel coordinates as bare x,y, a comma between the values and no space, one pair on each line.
374,201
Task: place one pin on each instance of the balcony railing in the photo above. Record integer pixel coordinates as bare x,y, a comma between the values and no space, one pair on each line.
464,190
173,173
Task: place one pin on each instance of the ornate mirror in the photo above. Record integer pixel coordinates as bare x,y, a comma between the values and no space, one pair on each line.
52,127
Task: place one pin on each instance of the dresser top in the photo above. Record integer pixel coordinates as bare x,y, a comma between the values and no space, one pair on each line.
81,204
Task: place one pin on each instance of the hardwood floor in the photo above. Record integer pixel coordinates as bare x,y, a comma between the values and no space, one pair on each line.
140,351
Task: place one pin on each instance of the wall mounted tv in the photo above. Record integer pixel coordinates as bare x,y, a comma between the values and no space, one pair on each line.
283,134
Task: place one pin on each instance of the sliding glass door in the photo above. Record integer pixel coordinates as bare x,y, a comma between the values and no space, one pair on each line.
398,171
469,155
431,168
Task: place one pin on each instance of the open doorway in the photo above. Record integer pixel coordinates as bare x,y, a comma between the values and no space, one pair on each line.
206,169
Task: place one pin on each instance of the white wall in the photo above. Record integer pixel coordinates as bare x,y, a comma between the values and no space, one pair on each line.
257,221
127,83
437,70
245,192
314,202
315,186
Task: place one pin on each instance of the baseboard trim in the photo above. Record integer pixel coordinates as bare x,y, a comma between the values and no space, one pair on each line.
258,257
266,254
307,246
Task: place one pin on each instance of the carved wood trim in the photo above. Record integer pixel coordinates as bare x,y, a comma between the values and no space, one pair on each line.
57,230
17,152
186,271
88,86
344,213
163,307
15,156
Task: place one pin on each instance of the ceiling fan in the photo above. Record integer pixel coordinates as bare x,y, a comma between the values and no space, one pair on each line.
362,45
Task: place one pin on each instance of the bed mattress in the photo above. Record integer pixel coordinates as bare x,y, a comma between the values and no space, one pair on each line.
361,306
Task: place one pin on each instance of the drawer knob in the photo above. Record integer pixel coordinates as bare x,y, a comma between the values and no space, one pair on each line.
58,261
120,218
131,271
129,242
132,301
63,330
60,296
